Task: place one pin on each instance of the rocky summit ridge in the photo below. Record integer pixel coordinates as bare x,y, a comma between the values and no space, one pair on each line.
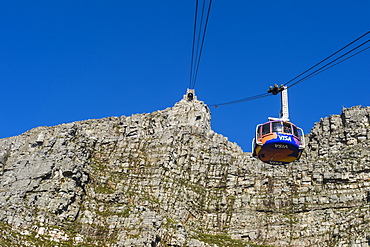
167,179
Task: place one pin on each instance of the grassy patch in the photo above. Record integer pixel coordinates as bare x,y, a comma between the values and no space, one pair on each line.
221,240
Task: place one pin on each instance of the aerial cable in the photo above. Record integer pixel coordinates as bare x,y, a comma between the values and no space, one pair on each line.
201,46
198,40
344,47
336,63
198,46
259,96
192,49
321,69
198,35
314,73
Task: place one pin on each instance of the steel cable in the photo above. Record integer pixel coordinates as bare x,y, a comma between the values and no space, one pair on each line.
198,40
323,68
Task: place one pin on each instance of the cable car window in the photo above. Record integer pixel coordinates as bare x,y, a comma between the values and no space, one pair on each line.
259,131
295,131
266,129
301,133
287,128
276,127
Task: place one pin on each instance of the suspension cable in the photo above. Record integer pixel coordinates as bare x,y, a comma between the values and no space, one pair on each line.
344,47
192,49
310,76
323,68
198,40
259,96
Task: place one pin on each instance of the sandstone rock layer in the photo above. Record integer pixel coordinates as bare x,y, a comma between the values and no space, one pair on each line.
167,179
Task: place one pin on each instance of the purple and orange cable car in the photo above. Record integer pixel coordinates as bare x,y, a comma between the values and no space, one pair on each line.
278,141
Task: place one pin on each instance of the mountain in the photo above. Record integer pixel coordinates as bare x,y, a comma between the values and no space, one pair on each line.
167,179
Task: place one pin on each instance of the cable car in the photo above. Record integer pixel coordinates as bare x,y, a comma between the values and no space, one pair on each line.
278,141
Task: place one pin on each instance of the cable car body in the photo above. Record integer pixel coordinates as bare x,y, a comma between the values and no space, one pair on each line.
278,141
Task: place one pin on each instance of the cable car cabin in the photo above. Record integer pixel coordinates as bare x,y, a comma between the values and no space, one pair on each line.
278,142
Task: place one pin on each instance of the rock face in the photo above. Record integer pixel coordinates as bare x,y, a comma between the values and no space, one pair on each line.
167,179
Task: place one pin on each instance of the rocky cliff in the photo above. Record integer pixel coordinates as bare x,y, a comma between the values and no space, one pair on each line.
167,179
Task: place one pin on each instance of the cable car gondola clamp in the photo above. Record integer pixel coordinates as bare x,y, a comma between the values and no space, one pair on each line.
278,141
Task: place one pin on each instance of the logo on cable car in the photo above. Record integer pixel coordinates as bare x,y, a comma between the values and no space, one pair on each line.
281,146
285,138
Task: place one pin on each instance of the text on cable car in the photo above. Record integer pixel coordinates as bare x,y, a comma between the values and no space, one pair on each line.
285,138
281,146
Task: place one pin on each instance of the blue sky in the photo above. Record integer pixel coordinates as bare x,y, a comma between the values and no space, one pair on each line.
65,61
